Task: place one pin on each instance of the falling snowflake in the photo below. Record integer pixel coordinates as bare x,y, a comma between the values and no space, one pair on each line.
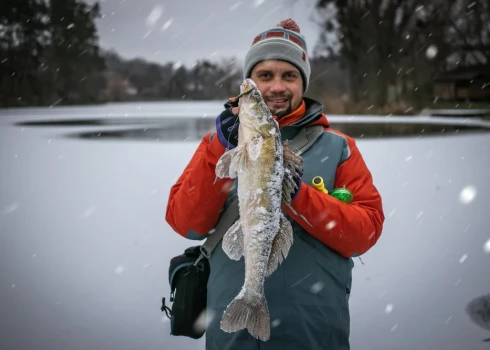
317,287
88,212
167,24
431,52
467,195
275,323
257,3
235,6
331,225
394,327
154,16
389,308
486,247
409,158
177,65
463,258
119,270
11,208
203,320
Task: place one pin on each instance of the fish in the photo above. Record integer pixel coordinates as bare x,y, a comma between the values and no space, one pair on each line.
265,169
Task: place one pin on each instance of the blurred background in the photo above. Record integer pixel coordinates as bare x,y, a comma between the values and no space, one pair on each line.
367,57
102,104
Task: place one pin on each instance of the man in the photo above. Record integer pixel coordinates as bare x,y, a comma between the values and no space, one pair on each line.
308,294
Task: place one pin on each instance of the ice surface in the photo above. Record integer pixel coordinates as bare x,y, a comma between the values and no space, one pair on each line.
414,266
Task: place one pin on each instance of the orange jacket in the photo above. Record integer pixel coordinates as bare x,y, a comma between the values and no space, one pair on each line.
196,200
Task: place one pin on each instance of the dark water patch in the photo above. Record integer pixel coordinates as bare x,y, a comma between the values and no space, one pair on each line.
99,122
195,129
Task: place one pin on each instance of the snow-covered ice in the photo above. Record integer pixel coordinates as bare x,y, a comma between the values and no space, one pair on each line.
96,217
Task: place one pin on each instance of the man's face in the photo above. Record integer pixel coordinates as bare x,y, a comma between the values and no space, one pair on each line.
280,84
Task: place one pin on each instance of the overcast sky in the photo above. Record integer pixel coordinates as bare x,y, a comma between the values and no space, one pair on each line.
188,30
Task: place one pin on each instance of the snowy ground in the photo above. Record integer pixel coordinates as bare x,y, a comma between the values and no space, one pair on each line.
84,246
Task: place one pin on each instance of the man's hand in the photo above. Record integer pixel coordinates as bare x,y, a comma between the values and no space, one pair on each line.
227,127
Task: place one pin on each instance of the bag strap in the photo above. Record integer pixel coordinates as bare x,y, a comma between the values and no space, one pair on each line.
305,138
224,223
300,143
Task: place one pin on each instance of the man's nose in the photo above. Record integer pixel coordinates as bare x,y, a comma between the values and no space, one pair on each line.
277,86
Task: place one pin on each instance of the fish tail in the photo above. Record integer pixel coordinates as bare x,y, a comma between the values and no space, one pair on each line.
247,313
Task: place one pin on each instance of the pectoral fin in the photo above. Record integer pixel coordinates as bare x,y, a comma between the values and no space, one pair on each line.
233,241
293,166
281,245
231,163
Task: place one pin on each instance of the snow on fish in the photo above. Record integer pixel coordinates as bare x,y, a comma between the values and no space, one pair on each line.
265,168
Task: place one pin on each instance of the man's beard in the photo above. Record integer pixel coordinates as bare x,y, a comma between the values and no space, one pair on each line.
280,112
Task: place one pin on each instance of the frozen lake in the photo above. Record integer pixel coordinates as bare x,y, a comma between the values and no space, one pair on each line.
84,246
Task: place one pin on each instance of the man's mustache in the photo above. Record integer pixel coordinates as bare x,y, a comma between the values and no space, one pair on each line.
277,97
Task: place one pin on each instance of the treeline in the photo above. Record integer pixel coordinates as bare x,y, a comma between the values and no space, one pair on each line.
372,54
138,79
393,49
49,53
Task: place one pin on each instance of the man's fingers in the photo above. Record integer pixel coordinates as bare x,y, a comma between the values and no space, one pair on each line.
235,110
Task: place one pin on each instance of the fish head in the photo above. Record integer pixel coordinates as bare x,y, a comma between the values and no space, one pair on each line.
253,109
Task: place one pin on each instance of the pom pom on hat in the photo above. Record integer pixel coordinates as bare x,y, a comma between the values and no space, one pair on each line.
289,24
283,42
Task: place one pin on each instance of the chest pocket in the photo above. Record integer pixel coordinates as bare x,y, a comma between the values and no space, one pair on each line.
324,158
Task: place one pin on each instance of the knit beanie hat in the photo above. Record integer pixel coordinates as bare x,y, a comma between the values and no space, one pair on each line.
283,42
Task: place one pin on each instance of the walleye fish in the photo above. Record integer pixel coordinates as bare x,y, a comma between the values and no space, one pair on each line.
265,168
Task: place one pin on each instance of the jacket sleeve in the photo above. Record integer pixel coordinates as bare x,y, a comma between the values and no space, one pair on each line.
197,198
349,229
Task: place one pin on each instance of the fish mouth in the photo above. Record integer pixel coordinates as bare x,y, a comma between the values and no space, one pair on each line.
248,89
